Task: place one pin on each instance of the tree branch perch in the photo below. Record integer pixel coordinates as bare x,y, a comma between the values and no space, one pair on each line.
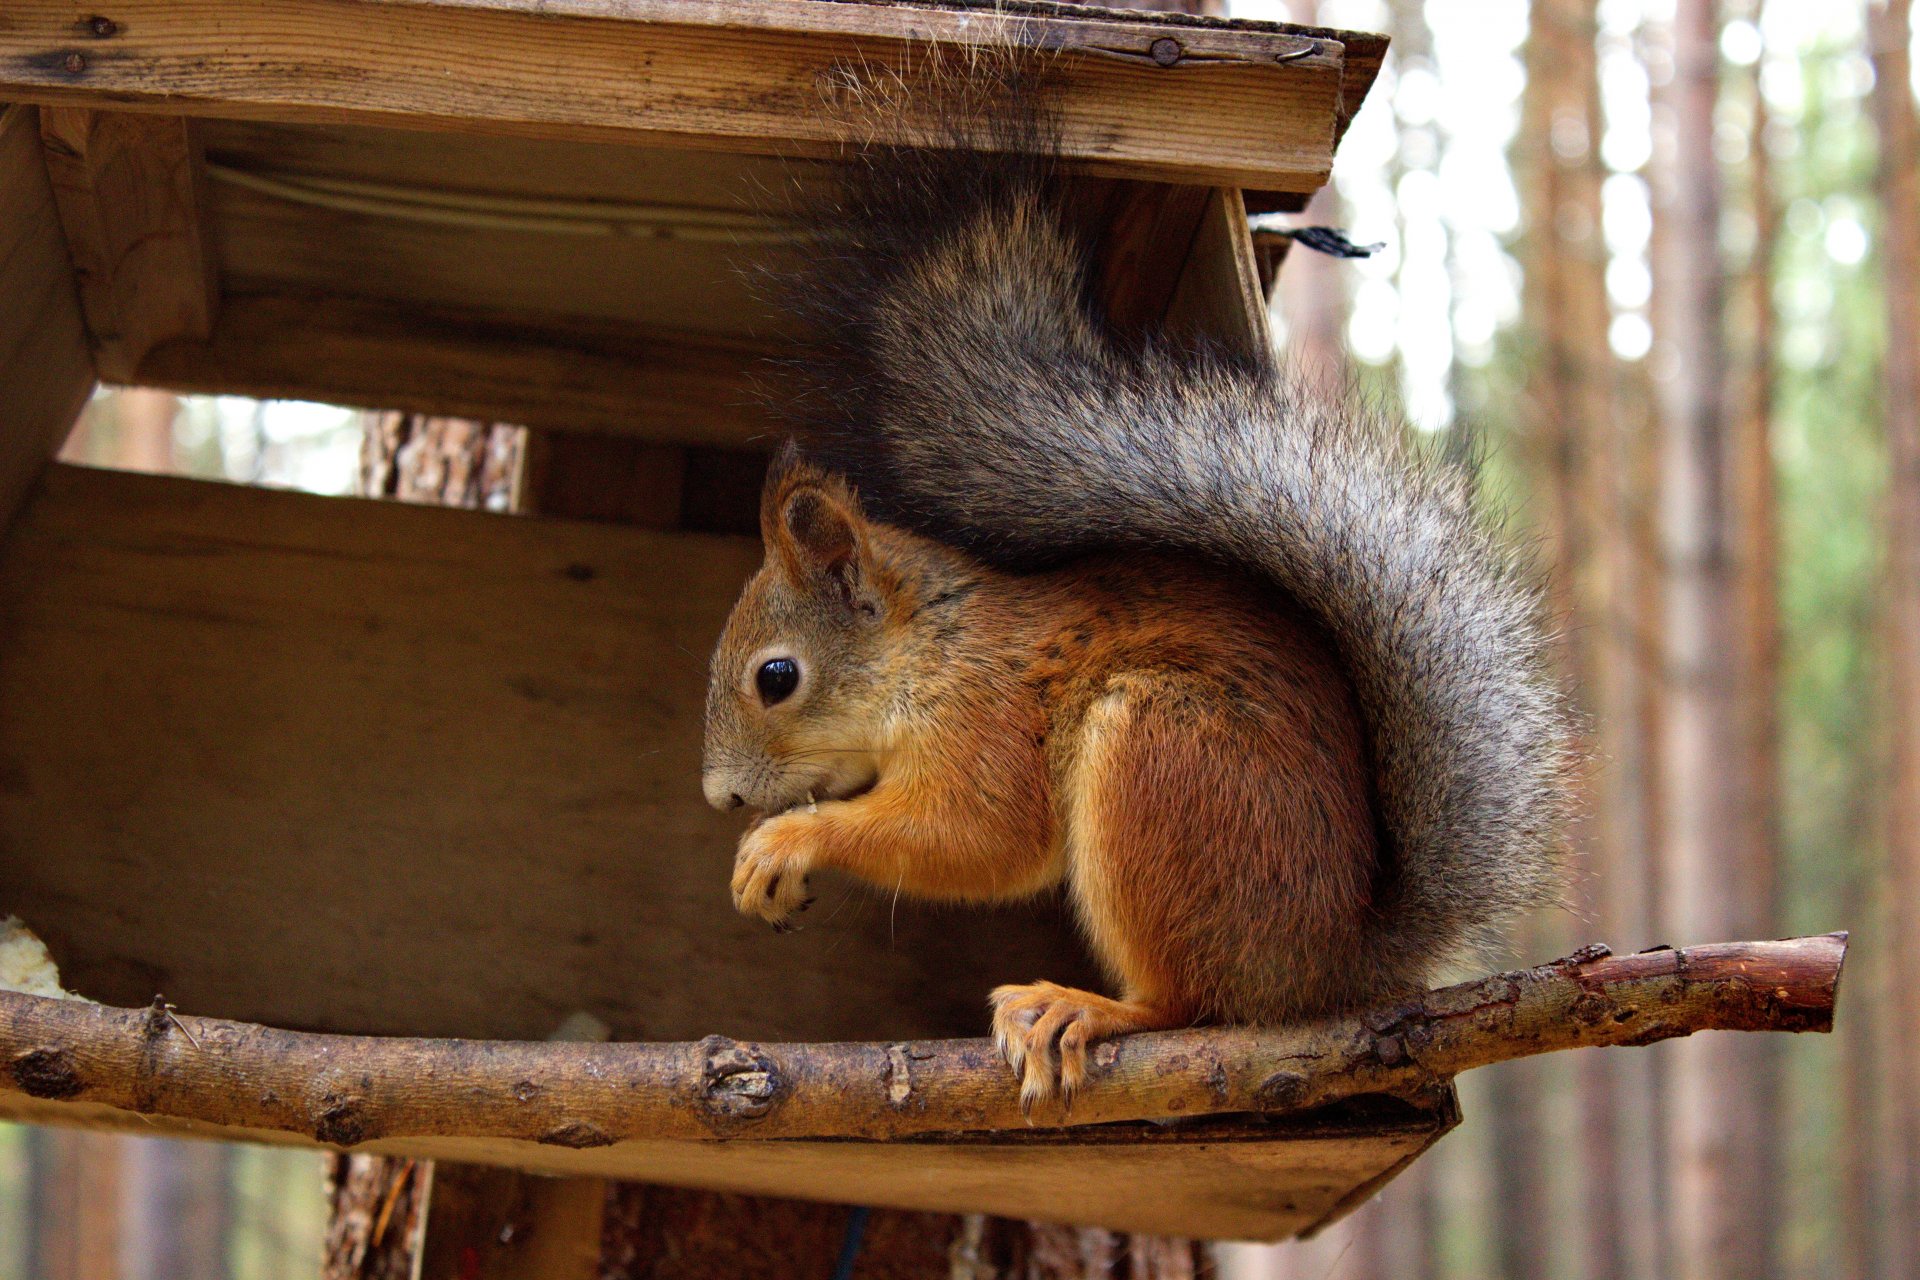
345,1090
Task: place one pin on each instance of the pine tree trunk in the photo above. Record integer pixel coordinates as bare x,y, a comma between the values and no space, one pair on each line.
1890,31
1755,512
175,1220
73,1204
1714,883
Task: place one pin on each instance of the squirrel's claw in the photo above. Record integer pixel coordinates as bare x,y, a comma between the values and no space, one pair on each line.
1030,1026
770,874
1044,1031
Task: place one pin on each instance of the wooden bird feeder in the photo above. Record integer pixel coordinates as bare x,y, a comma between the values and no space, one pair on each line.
418,784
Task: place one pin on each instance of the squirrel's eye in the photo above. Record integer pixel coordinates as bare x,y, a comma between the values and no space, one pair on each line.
776,679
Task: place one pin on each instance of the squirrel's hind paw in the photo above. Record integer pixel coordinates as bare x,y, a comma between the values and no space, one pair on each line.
1044,1030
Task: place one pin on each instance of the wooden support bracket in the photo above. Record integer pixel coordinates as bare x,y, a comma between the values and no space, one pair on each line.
129,189
45,370
1219,298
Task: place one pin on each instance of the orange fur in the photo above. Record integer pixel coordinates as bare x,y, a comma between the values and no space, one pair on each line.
1174,743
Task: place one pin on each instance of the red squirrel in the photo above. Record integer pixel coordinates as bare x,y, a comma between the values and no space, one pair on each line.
1230,662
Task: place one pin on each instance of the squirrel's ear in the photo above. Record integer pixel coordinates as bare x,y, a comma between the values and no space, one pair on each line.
814,524
818,530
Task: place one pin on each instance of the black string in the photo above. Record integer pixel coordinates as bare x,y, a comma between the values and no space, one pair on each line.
1331,241
850,1244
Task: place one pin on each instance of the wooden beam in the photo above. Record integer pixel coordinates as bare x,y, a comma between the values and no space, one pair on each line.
195,676
648,384
45,370
1363,53
1197,103
130,193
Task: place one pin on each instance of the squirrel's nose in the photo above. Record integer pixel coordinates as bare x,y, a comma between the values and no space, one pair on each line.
719,794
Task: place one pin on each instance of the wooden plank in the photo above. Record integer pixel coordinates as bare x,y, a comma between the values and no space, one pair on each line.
1233,1178
194,676
489,1223
279,240
129,188
517,167
45,369
1142,251
659,1232
541,228
1243,106
1269,255
1363,55
647,383
1219,299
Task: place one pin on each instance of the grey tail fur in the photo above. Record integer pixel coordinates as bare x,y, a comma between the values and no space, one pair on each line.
964,382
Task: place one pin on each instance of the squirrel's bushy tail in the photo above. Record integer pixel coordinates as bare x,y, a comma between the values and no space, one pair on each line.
964,382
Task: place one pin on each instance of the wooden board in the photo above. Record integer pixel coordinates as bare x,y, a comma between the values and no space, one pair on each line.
45,369
1234,1178
132,205
1249,107
546,230
278,756
649,383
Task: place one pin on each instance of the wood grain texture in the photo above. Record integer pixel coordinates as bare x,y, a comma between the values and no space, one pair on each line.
497,1224
273,244
1244,106
671,1233
622,276
1219,298
650,384
1142,247
130,189
278,755
1245,1178
46,371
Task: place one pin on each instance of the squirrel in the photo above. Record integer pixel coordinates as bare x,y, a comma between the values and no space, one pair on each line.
1231,661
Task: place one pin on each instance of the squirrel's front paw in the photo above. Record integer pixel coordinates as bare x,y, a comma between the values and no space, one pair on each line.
770,871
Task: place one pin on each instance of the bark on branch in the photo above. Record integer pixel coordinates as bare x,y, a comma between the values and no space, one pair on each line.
345,1090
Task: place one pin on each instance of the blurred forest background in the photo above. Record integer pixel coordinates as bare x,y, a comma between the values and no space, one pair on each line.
1652,266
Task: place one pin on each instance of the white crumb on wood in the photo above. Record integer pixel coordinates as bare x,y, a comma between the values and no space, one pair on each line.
25,965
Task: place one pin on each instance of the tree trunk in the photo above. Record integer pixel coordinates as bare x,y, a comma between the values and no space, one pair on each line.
1714,883
1314,302
174,1217
377,1208
1755,513
1571,420
73,1204
1890,31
